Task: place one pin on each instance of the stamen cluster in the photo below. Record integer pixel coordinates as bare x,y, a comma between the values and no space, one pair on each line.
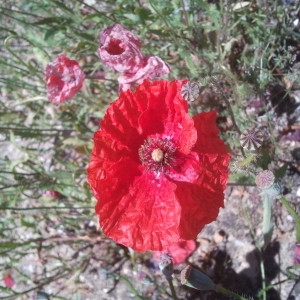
157,154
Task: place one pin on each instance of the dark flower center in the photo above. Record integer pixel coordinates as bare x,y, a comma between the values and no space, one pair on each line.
114,47
157,154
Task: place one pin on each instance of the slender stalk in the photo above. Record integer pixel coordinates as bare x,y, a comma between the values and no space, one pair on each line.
260,250
173,292
131,286
186,17
294,215
263,275
45,207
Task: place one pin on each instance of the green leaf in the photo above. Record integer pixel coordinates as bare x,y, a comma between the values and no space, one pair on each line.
74,141
96,17
9,245
51,32
132,17
144,14
279,173
25,222
62,176
49,20
62,6
87,36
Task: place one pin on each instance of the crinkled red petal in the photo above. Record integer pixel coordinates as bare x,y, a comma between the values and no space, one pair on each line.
186,169
208,140
201,201
167,113
146,216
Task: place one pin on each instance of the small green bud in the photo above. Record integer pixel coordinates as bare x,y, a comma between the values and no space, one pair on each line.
196,279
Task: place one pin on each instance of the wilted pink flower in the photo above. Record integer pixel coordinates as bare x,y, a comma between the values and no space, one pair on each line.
154,67
64,78
120,49
179,251
8,280
297,255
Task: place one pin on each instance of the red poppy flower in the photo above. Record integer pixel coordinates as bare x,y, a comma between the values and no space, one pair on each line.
157,173
64,78
120,49
179,251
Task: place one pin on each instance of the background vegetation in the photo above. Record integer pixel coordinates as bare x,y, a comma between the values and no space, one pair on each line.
245,55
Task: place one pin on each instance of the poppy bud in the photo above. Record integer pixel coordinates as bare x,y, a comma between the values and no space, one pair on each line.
196,279
166,265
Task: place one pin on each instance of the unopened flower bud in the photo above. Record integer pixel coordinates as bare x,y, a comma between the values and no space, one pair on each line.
264,179
196,279
166,265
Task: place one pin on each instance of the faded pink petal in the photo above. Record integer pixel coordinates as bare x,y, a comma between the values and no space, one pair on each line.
117,31
120,49
153,67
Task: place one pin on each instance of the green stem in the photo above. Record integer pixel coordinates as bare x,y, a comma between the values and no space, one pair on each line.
186,17
29,67
132,257
45,207
294,215
229,293
263,275
170,281
131,286
260,251
267,220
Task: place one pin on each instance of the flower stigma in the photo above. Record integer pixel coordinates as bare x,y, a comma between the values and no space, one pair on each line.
157,154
